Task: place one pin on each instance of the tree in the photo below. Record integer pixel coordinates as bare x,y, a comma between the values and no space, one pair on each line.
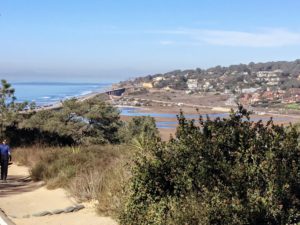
139,128
88,122
9,109
222,171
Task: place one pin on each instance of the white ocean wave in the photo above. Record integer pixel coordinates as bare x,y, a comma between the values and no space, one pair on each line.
86,93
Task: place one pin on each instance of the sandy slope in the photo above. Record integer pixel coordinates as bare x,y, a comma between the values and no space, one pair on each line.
21,197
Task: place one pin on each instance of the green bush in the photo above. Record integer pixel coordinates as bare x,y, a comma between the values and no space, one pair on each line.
142,127
294,106
222,171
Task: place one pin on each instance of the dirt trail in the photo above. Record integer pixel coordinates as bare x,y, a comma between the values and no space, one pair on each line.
21,198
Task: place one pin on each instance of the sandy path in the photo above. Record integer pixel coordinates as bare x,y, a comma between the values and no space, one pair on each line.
21,198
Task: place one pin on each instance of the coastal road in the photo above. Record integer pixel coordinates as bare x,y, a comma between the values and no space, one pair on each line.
182,104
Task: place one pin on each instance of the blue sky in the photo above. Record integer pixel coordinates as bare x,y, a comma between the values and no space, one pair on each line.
110,40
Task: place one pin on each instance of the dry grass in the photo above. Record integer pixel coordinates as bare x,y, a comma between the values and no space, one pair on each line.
89,173
29,156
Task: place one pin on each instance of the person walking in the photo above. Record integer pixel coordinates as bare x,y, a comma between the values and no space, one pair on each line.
5,158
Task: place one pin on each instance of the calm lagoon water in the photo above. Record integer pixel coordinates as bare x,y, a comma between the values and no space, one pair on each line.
135,111
132,111
49,93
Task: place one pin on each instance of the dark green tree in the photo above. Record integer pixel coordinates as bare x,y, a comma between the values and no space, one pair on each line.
86,122
7,100
9,109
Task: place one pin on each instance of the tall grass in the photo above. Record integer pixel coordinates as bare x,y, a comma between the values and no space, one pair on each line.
29,156
89,173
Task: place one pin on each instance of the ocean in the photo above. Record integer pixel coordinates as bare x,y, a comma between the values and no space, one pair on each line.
44,93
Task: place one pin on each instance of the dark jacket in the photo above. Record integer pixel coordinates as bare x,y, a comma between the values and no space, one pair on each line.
4,152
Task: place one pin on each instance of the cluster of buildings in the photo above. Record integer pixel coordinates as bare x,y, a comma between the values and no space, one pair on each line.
251,88
270,78
211,83
289,96
261,78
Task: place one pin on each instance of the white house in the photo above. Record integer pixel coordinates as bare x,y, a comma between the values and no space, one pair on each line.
157,79
249,90
192,84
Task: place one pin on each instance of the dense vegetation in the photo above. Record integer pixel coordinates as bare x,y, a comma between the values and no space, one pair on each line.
222,171
139,129
76,123
88,122
90,172
82,146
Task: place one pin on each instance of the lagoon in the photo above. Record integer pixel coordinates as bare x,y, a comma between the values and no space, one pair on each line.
167,124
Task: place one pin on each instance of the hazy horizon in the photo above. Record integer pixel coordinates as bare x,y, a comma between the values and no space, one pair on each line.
109,41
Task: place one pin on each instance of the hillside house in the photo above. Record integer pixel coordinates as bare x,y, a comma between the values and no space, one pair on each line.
245,99
192,84
271,78
292,96
255,98
249,90
147,85
157,79
227,91
167,88
271,95
294,91
207,86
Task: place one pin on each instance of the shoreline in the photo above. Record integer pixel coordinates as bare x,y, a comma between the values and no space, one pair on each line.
80,98
49,95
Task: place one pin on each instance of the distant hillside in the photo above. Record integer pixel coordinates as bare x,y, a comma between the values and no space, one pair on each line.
275,75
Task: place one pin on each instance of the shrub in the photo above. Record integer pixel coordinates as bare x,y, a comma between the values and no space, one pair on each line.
38,171
139,127
222,171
